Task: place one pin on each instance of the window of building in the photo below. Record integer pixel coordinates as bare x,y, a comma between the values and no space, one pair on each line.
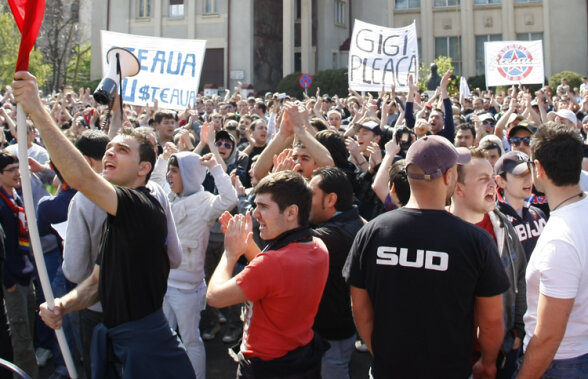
408,4
527,1
450,47
176,8
210,7
445,3
487,1
144,8
339,12
480,65
530,36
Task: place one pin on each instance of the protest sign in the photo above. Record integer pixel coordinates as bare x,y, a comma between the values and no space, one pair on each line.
380,56
170,69
513,62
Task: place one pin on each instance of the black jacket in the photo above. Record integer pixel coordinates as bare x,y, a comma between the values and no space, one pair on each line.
334,320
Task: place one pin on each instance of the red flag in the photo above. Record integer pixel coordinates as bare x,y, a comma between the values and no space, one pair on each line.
28,15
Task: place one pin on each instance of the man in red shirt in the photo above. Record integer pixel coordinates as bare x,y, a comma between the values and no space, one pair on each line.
282,285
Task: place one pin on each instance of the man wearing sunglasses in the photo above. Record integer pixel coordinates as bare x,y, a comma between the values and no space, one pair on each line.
519,137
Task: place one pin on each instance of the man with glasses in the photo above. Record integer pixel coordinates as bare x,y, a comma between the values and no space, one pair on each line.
519,137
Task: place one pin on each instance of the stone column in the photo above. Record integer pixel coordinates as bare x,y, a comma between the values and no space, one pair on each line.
547,38
508,21
427,35
157,18
289,16
190,15
307,61
468,40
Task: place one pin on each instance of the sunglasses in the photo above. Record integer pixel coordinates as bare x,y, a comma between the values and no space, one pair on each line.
516,141
227,145
488,123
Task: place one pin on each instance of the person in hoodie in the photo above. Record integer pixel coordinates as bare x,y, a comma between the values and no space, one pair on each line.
195,212
474,201
225,147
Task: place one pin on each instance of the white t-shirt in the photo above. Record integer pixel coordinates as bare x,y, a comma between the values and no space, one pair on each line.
559,268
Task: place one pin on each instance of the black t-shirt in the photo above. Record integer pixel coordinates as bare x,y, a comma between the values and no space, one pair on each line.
134,265
423,270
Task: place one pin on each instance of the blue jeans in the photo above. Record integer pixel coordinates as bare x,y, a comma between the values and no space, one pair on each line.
335,363
576,368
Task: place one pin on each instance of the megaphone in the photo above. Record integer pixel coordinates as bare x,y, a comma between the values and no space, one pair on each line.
121,64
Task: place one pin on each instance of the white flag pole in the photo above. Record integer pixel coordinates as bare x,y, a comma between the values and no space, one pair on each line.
29,206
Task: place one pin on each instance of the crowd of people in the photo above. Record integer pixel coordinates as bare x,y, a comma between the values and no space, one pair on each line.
441,233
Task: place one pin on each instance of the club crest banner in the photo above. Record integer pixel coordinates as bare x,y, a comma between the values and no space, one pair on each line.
513,62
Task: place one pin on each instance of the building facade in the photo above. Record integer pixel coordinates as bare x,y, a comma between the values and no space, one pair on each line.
260,41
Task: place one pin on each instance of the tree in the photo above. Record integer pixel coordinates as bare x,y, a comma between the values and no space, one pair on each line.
9,44
59,37
78,69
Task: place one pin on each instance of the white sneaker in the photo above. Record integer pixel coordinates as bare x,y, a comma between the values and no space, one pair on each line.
43,355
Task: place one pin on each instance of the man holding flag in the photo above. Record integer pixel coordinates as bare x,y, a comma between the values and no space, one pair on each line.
132,268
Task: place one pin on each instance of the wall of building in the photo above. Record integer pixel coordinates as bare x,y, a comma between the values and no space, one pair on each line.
255,42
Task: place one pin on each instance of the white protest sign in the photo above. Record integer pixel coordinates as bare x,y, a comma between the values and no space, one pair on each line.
170,69
513,62
380,56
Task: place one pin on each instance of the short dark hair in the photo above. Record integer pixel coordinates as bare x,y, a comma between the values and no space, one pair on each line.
261,105
256,122
560,151
334,180
146,148
288,188
335,143
160,115
92,143
466,126
398,177
7,158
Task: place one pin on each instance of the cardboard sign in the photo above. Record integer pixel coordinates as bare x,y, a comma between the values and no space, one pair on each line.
170,69
380,56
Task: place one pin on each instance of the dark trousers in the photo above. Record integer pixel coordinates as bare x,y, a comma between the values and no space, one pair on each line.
88,321
301,363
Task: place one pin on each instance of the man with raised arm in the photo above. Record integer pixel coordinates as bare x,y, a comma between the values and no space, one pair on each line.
131,271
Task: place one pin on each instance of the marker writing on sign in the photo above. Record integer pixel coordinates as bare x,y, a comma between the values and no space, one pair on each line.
387,59
166,62
148,93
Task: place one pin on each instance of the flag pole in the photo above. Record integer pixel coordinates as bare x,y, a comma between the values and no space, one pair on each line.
29,206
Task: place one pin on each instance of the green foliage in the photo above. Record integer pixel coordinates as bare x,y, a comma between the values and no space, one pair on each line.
289,85
574,79
478,81
78,68
443,64
9,44
332,82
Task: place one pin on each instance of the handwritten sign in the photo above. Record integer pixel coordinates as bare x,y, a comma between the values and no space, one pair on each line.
170,69
380,56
